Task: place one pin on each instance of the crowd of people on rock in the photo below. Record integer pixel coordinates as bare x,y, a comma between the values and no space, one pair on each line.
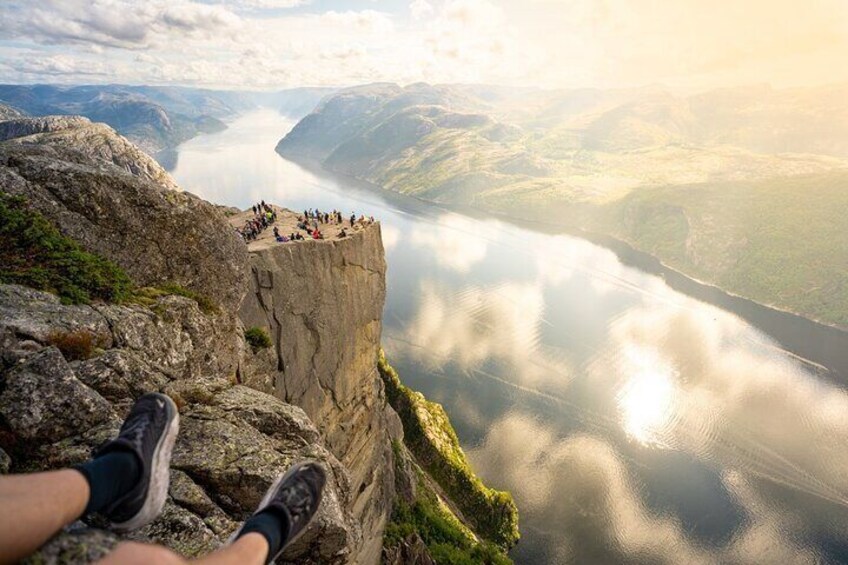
263,216
311,222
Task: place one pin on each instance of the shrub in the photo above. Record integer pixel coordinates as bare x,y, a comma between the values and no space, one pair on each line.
34,253
76,345
431,438
257,338
447,539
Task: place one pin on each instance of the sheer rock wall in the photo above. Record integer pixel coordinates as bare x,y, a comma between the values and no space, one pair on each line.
321,302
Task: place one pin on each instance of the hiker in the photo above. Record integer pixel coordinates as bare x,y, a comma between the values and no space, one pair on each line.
352,219
276,232
127,483
317,235
342,234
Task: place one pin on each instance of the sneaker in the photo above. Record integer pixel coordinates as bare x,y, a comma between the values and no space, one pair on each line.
297,494
149,432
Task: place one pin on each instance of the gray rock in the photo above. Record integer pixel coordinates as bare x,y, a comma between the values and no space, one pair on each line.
5,462
119,375
34,315
76,544
322,303
22,127
157,234
43,401
410,551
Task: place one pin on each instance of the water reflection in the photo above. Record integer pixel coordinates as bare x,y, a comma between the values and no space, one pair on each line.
632,423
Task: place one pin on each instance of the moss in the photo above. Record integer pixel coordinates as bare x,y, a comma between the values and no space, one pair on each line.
207,306
447,540
431,438
35,254
257,338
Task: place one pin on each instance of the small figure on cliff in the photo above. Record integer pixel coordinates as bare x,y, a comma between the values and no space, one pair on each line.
127,483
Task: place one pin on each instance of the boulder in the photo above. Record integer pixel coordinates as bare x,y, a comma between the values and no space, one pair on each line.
43,401
157,234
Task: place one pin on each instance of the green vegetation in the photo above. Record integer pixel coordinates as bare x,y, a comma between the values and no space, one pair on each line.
715,189
447,540
431,438
781,241
257,338
33,253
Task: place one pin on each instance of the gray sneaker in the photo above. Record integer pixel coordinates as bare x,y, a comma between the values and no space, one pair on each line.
297,495
148,432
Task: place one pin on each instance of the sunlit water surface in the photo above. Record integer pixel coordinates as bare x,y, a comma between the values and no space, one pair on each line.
630,422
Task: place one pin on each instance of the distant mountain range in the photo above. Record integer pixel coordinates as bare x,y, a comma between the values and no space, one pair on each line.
742,187
154,117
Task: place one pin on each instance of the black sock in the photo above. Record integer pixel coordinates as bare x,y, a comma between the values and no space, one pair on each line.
109,477
274,527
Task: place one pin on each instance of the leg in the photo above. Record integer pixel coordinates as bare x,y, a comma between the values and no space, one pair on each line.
118,483
250,549
37,506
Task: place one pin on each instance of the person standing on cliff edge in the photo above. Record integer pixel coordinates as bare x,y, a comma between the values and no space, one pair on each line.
127,482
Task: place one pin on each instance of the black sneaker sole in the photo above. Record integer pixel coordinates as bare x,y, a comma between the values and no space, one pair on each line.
160,474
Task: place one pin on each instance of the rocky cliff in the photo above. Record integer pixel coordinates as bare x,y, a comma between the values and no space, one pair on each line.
246,414
192,300
321,302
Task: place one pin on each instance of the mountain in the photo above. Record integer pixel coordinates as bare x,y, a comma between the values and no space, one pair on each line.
155,118
8,113
589,159
115,283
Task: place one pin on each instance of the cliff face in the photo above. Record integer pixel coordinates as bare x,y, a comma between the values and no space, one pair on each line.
246,415
321,302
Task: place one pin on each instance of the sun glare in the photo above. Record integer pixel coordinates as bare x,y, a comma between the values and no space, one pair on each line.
645,400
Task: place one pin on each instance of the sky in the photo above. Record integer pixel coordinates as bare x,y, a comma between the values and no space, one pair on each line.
266,44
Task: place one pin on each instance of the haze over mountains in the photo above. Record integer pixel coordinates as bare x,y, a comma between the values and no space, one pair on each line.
153,117
741,187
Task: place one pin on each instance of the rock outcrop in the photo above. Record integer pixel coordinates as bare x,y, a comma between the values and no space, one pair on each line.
103,192
9,113
245,415
233,440
321,302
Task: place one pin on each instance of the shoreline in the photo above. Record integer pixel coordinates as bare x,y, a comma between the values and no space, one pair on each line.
812,342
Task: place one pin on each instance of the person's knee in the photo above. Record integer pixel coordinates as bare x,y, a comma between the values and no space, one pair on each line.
135,553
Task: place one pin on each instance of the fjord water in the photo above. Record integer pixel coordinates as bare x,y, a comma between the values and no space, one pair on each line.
631,423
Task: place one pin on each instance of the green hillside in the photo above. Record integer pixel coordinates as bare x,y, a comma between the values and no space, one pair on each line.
733,186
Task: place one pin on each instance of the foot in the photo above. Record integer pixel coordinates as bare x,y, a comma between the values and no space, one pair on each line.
296,495
149,433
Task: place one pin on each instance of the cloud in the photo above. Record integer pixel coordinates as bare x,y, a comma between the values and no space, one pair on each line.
420,9
545,43
578,495
486,330
112,23
391,235
262,4
458,242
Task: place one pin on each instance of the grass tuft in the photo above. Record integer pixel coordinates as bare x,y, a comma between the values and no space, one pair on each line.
257,338
35,254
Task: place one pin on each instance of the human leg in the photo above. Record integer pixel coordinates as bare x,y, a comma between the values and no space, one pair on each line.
127,482
34,507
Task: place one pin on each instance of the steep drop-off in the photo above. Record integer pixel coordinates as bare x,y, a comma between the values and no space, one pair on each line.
69,372
321,302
